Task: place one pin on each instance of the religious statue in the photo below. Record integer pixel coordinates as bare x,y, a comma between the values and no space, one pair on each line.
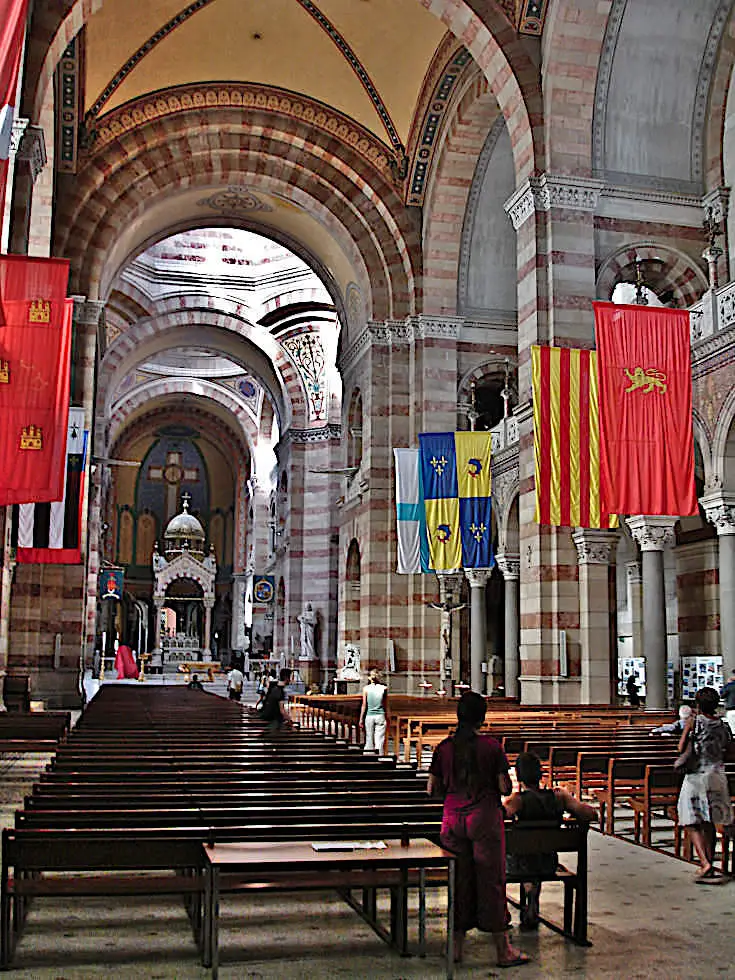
307,621
350,669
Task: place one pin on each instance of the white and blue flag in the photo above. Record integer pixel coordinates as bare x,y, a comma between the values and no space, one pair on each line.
413,546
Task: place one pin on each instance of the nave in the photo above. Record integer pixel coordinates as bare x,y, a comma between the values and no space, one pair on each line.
642,904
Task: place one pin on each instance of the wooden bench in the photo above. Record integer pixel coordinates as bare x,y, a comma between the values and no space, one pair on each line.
33,732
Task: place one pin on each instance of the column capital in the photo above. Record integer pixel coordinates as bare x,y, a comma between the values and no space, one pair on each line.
477,577
652,533
549,191
595,546
719,508
449,585
634,572
32,148
509,563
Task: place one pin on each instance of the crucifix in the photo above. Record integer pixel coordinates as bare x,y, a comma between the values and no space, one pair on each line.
172,473
449,583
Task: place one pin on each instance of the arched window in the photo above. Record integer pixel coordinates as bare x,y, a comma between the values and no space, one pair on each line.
354,430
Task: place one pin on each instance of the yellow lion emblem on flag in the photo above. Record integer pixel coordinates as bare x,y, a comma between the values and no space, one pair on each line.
649,380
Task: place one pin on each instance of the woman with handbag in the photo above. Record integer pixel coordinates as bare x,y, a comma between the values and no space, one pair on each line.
704,799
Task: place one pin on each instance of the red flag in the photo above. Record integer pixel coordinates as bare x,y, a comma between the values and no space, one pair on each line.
35,348
646,440
13,15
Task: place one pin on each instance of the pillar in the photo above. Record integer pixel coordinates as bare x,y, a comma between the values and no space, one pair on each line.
237,627
510,565
634,586
720,510
477,577
207,650
596,550
653,534
158,605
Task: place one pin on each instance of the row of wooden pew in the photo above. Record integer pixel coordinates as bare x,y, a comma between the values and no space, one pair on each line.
151,774
37,731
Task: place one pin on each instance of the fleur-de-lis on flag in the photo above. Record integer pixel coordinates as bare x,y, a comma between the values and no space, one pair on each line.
439,464
478,531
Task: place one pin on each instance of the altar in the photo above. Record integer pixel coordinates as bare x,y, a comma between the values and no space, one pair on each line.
183,592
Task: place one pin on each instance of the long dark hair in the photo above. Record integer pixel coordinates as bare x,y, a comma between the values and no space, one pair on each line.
470,714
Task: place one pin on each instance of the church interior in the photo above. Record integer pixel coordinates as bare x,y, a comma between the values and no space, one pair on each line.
301,233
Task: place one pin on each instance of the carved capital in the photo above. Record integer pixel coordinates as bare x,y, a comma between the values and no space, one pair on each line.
449,586
16,135
32,149
477,577
509,564
549,191
633,572
720,510
595,547
652,533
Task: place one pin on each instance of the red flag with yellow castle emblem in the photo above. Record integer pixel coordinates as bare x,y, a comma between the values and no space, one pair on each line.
646,439
35,357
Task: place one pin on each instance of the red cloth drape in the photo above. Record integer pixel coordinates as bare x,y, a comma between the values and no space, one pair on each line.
125,664
35,360
13,17
646,439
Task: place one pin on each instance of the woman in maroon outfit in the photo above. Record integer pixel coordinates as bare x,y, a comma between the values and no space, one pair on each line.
471,772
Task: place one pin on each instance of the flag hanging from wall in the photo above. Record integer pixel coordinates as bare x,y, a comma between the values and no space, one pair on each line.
455,474
413,547
35,358
566,439
646,437
50,533
13,17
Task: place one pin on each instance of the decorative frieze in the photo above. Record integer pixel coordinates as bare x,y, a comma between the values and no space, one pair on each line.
595,547
397,332
323,434
719,508
652,533
548,191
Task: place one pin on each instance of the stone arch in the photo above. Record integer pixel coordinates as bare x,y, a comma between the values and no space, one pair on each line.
677,273
352,594
355,429
723,445
253,347
702,439
491,370
714,174
490,38
132,401
122,184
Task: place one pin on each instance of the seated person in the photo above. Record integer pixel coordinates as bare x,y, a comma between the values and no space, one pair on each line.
533,803
274,708
195,684
675,727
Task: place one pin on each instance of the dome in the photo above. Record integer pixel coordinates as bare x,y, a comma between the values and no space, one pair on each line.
185,533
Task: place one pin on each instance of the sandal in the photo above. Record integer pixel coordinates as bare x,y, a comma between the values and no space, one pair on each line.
519,960
710,877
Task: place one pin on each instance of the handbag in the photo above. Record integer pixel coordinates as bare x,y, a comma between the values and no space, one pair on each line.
687,761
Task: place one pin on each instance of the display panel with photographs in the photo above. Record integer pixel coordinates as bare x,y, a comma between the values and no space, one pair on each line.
628,666
697,672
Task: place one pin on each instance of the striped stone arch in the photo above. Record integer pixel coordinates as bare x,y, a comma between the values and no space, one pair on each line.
702,438
717,109
491,368
490,38
679,274
123,183
215,322
241,435
467,126
725,422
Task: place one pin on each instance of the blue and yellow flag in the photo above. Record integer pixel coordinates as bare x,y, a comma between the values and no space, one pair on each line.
455,471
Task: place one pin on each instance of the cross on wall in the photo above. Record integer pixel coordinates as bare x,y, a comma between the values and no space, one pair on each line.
173,473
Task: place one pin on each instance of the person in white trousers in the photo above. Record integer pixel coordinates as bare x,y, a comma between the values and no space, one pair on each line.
374,715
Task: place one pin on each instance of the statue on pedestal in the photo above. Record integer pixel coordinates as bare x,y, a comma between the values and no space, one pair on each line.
308,621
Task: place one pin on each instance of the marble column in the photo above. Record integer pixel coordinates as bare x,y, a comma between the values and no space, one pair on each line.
477,577
510,565
158,602
596,550
653,534
634,586
449,593
237,627
207,651
720,510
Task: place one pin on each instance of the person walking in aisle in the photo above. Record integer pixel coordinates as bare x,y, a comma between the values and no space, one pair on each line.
374,715
235,681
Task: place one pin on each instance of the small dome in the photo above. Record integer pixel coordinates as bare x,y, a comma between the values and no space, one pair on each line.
185,533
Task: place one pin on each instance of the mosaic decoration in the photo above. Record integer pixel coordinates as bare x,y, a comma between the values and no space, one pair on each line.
68,77
248,389
234,200
421,163
531,15
308,355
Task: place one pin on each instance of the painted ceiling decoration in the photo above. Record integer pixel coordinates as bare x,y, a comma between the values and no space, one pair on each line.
307,353
184,98
69,86
531,16
234,201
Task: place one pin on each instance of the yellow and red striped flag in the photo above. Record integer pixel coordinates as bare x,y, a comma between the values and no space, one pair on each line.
566,438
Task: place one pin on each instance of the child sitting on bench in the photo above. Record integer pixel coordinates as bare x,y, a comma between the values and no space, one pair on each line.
533,803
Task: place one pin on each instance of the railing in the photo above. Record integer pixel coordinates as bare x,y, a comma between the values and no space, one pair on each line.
504,434
714,312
